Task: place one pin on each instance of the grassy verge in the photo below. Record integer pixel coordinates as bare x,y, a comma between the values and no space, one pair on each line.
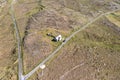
114,18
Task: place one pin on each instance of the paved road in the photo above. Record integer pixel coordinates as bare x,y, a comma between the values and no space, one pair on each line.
52,55
18,38
20,69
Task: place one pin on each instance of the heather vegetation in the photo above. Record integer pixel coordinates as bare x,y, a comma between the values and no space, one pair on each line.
92,54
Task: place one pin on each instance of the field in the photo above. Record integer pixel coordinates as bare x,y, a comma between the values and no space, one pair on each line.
92,54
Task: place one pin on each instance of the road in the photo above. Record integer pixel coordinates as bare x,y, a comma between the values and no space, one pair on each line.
20,67
18,38
19,44
67,39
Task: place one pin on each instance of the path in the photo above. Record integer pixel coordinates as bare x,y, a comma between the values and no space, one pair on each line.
19,45
52,54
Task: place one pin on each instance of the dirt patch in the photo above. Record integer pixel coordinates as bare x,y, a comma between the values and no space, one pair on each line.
49,19
35,50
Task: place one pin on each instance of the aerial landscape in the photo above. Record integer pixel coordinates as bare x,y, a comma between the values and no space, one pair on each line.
59,39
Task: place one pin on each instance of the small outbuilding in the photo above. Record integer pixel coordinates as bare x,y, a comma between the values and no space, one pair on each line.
58,38
42,66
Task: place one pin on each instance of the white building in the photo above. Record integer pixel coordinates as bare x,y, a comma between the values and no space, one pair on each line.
58,38
42,66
